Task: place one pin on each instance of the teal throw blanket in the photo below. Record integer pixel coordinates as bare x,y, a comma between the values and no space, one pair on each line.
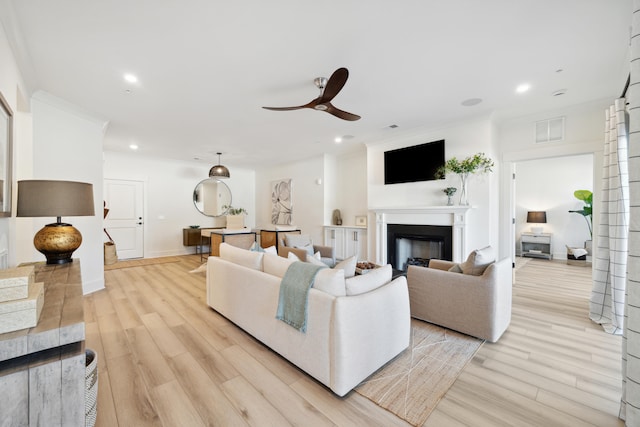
294,294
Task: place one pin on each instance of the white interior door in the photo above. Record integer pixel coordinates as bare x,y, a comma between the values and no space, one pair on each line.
124,223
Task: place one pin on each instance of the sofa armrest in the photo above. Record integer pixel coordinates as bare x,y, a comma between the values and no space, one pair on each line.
283,251
325,251
369,330
441,264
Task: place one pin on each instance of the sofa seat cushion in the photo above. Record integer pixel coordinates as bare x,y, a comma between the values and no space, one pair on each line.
478,261
367,282
241,256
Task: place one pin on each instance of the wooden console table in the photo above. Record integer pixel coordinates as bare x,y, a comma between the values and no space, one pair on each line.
42,369
242,238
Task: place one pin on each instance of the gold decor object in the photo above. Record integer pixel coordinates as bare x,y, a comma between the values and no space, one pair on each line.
39,198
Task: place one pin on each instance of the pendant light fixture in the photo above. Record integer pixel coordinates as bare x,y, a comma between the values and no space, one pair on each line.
219,171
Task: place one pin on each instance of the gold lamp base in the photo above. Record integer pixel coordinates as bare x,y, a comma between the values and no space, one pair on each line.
57,242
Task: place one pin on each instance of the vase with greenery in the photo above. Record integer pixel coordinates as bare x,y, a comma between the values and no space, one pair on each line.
476,164
450,191
586,197
235,216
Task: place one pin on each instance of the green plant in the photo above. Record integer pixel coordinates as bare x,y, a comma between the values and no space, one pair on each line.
234,211
449,191
478,163
586,197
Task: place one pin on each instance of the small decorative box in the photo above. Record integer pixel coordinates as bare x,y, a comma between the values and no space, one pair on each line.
14,283
22,313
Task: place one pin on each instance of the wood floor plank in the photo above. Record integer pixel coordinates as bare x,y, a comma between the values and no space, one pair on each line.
252,404
294,408
174,407
167,342
205,394
151,364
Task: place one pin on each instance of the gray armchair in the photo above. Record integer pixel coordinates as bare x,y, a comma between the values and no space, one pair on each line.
297,243
474,305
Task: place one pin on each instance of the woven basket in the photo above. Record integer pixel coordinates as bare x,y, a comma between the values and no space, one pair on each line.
110,254
91,389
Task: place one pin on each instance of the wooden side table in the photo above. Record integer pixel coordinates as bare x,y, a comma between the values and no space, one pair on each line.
536,245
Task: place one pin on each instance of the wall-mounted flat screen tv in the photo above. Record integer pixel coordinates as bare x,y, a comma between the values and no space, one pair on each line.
415,163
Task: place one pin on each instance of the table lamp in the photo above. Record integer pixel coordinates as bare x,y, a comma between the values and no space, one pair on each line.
536,217
37,198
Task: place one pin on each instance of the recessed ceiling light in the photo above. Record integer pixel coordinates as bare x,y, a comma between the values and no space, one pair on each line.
523,88
338,139
471,102
559,92
130,78
133,147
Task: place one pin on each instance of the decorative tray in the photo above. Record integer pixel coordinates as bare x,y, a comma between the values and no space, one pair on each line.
363,267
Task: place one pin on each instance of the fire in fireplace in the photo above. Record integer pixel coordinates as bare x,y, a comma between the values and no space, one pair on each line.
417,244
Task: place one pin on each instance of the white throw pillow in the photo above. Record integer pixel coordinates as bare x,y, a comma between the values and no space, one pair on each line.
315,259
348,265
271,250
275,265
478,261
330,281
293,256
241,256
370,281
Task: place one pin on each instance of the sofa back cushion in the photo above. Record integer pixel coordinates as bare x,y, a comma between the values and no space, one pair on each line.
241,256
276,265
330,281
367,282
478,261
348,265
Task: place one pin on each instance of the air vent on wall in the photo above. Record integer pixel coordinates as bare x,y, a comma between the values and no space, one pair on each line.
550,130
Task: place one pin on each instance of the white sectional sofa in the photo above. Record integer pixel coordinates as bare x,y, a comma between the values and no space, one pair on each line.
354,326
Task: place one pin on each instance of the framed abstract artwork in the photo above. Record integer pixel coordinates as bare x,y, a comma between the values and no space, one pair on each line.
6,149
281,202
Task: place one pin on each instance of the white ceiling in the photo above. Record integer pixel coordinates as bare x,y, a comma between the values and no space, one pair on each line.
206,67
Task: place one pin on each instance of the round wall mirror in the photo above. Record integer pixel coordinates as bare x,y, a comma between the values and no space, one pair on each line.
210,195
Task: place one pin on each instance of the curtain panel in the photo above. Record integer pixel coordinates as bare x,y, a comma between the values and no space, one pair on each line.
607,300
630,403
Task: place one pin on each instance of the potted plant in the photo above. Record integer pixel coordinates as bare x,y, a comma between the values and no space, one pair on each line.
235,216
478,163
450,191
586,197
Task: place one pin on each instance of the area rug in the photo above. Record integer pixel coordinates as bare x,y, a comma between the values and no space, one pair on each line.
412,384
140,262
521,262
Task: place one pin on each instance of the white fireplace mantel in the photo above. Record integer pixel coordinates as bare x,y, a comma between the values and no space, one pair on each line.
454,216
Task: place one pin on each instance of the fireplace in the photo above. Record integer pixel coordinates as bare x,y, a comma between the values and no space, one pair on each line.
451,241
415,244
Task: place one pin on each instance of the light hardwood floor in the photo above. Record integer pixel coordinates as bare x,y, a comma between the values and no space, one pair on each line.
166,359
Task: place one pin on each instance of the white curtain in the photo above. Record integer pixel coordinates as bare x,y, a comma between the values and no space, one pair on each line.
630,404
610,262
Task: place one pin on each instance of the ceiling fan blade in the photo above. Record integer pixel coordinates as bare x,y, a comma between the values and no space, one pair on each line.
334,84
308,105
342,114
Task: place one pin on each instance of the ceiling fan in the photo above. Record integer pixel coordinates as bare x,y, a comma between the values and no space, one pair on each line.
329,88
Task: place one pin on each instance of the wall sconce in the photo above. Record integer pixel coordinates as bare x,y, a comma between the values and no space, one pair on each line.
37,198
536,217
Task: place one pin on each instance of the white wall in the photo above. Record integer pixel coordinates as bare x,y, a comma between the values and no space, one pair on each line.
351,186
584,134
169,207
462,139
67,145
548,185
307,195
